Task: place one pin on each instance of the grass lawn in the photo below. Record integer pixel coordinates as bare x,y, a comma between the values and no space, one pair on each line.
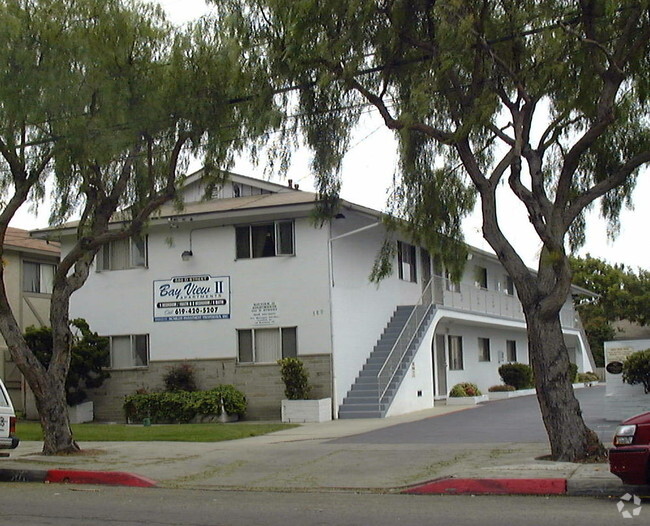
172,432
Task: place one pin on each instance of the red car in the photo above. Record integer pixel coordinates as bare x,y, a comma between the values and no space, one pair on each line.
630,458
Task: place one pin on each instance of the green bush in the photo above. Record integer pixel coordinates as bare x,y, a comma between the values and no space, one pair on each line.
587,377
518,375
636,369
464,389
295,378
573,372
502,388
184,406
180,378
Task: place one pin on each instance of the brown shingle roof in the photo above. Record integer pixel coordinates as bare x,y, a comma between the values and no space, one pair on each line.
19,238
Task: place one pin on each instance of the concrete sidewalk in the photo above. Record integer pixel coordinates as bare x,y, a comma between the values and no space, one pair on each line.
307,458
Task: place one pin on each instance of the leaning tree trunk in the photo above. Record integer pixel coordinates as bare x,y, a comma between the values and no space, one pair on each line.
53,413
570,439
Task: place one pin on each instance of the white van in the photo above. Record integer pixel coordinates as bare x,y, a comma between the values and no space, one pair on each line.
8,439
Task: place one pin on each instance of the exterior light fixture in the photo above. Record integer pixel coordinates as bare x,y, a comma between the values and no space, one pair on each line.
186,255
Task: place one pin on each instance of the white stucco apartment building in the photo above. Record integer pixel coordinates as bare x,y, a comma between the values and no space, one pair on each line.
233,283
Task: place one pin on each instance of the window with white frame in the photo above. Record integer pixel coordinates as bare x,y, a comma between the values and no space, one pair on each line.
483,349
123,254
455,346
129,351
266,345
265,240
406,265
511,350
38,277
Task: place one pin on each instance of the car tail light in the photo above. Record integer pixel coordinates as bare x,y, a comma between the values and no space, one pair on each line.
624,435
12,425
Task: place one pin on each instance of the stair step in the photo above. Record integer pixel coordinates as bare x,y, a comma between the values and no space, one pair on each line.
360,414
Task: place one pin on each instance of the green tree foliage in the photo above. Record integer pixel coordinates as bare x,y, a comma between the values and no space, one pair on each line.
636,369
89,357
546,101
623,294
108,102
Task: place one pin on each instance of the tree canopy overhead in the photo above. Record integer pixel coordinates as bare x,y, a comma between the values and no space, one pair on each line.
545,98
107,98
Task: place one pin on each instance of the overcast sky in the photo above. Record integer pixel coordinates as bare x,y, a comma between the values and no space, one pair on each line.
369,167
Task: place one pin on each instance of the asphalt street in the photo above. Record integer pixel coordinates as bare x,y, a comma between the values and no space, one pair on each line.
55,505
505,421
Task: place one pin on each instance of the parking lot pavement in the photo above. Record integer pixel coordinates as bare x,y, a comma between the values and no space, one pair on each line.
516,420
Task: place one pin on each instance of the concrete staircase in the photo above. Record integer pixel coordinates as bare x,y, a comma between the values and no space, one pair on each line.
362,400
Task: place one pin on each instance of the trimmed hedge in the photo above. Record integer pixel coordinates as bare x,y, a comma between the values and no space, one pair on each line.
184,406
503,388
519,375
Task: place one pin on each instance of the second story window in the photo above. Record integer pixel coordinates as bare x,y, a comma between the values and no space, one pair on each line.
481,277
508,285
38,277
406,266
123,254
265,240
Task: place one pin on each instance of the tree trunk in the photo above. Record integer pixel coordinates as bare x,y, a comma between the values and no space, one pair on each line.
53,413
570,439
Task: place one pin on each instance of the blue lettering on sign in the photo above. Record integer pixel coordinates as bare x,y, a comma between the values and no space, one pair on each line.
189,289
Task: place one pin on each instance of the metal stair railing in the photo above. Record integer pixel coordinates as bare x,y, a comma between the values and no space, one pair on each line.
404,340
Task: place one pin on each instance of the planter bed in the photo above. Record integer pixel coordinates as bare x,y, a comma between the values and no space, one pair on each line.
466,400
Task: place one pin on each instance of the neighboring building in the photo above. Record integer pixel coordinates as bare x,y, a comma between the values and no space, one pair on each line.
29,266
623,400
236,282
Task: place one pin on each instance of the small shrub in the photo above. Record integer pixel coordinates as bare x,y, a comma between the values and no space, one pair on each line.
636,369
519,375
502,388
587,377
464,389
295,378
180,378
573,371
184,406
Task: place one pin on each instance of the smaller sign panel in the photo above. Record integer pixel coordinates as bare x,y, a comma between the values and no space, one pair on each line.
264,313
187,298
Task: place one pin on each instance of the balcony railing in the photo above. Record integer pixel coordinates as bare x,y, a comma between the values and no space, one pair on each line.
471,298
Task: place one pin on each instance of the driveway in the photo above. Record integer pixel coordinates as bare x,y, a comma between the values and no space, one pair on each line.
503,421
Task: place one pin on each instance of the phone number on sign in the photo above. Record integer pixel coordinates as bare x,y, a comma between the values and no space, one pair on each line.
196,310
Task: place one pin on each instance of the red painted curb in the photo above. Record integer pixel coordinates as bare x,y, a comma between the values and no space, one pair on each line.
491,487
109,478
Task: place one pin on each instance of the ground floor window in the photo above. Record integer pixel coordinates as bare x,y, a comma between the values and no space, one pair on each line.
483,349
511,350
38,277
128,351
455,346
266,345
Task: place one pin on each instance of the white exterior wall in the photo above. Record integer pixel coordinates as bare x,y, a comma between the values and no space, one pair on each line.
416,392
121,301
360,309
